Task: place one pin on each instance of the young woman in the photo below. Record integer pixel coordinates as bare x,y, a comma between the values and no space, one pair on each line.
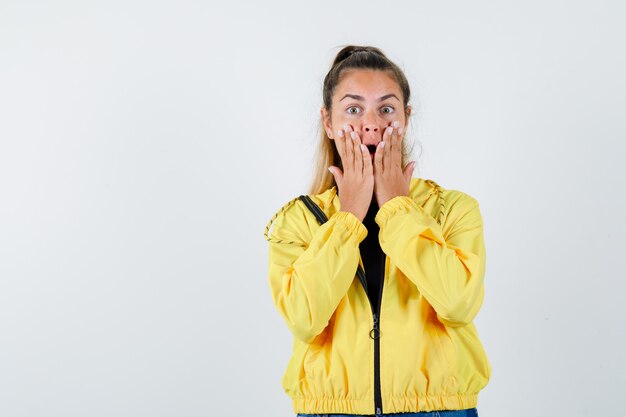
378,275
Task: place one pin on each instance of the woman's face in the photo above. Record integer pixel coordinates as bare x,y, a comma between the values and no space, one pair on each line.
367,101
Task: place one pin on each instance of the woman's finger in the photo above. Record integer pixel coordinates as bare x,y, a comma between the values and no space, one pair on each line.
358,153
350,144
367,160
368,169
396,154
337,174
388,148
341,144
349,162
378,157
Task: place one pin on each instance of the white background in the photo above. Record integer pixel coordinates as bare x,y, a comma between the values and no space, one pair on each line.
144,145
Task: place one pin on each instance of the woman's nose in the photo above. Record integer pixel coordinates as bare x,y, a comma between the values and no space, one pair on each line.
371,124
371,133
370,128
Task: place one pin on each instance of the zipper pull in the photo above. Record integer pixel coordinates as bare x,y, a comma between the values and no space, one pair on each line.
379,411
375,328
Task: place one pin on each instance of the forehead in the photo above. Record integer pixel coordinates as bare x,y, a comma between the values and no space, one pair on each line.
366,83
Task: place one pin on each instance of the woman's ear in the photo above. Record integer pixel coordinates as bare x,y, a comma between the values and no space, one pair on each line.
325,116
409,109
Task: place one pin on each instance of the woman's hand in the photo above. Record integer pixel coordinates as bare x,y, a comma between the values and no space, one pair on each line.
390,180
355,185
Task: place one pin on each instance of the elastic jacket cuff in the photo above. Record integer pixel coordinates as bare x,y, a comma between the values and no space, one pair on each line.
393,205
355,227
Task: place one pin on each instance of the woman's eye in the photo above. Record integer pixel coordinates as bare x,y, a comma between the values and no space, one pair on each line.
355,110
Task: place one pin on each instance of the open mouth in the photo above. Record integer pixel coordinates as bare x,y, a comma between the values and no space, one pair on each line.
372,148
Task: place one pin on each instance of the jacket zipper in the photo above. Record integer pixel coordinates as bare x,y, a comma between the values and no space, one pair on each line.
378,402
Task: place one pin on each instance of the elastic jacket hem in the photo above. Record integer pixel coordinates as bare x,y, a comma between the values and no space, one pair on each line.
397,404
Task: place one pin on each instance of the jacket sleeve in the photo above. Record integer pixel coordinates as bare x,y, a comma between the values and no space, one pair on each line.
449,272
309,273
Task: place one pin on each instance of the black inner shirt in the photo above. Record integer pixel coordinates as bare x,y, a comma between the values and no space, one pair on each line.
372,255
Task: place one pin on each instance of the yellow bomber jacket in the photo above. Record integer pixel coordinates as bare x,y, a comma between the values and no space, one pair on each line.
422,352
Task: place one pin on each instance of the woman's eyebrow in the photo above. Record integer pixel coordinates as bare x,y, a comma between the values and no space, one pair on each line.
357,97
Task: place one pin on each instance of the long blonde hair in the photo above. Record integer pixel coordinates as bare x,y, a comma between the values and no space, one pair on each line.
351,57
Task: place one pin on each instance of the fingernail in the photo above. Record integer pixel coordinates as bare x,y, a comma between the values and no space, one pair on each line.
353,134
400,130
340,133
382,144
389,130
395,123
